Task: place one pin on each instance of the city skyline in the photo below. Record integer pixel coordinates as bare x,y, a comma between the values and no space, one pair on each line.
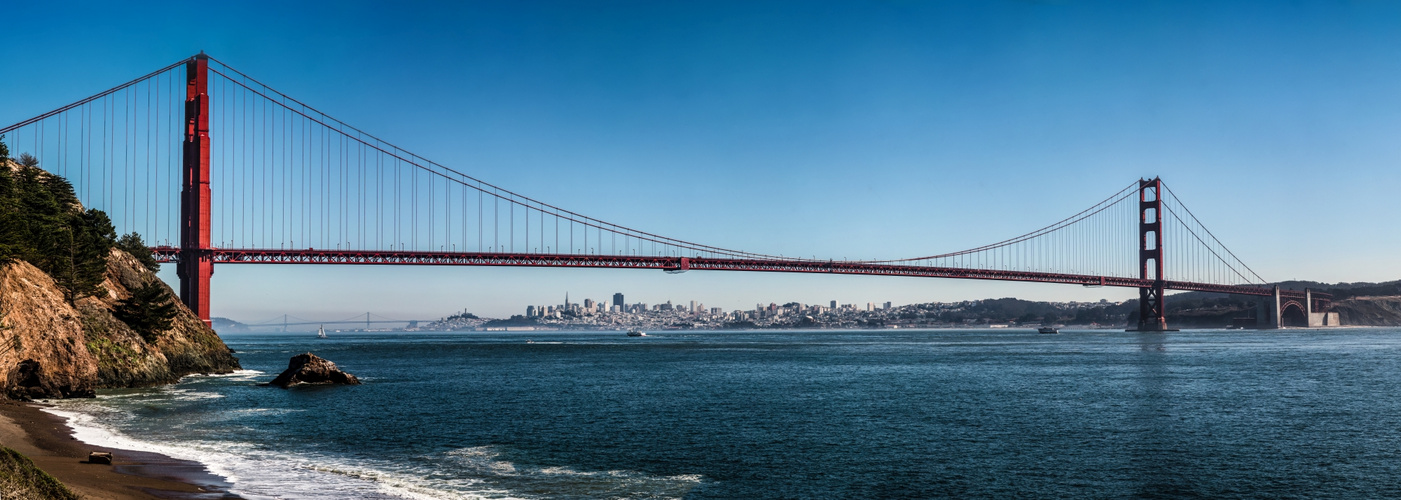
836,130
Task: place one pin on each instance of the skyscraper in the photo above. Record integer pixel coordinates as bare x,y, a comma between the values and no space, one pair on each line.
618,299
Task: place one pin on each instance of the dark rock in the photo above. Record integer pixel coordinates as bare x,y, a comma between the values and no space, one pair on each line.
28,382
100,457
312,369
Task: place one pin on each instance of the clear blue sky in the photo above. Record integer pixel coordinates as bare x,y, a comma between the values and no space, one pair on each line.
854,129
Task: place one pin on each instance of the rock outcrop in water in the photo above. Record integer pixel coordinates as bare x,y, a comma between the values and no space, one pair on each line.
312,370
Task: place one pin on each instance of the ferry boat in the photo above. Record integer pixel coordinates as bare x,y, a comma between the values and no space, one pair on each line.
636,333
1047,329
321,332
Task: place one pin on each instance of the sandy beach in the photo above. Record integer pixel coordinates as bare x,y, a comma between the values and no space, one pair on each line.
49,442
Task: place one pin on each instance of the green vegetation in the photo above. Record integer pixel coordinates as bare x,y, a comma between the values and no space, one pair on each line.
1021,312
21,480
149,310
131,243
516,320
42,223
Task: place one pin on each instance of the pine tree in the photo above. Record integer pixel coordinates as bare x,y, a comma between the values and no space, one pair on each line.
131,243
42,222
149,310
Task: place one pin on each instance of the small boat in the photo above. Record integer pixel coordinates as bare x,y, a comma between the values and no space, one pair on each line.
636,333
1047,329
321,332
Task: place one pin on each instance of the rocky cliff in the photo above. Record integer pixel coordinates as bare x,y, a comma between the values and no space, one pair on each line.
43,352
52,348
1369,311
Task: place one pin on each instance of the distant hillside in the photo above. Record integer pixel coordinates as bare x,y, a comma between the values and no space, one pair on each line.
1343,291
1369,311
1360,304
226,325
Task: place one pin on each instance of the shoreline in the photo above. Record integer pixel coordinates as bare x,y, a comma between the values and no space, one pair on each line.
134,475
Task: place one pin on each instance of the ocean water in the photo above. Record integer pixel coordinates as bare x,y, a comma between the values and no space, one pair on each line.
818,414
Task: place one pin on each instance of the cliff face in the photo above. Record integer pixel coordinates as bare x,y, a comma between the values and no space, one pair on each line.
127,360
53,349
1369,311
43,351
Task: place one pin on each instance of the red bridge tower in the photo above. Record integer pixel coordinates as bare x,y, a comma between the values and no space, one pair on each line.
1150,256
196,264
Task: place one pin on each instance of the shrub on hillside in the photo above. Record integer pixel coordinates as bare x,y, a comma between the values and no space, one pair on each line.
149,310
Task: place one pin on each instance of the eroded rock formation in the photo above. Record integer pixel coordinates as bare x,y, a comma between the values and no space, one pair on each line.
43,352
50,348
312,369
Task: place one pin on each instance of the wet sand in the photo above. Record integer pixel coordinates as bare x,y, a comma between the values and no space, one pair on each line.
49,442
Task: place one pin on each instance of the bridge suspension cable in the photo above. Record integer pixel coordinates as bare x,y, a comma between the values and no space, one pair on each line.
290,183
1196,254
349,160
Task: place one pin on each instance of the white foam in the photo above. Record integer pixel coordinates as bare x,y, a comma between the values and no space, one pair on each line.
235,373
254,473
257,472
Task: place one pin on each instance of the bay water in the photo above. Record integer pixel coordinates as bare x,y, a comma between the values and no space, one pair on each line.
789,414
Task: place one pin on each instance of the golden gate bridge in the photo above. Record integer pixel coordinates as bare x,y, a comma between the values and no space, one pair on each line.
215,167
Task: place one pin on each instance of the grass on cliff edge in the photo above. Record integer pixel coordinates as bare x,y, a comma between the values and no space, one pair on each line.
21,480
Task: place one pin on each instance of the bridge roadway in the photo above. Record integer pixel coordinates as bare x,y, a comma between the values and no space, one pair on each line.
168,254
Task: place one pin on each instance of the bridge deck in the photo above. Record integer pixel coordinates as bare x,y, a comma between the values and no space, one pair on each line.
313,256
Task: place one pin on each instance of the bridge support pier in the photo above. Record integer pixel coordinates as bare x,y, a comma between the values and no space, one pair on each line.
1275,314
196,264
1151,316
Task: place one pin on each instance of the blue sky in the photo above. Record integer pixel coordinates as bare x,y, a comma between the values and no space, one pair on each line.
840,130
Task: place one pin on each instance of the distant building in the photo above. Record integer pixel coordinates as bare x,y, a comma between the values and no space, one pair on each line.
834,304
887,305
530,311
618,299
693,307
588,304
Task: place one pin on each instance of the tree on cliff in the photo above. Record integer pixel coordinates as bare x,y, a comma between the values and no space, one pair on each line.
131,243
42,222
149,310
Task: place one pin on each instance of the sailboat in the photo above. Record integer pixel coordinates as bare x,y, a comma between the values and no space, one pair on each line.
321,332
